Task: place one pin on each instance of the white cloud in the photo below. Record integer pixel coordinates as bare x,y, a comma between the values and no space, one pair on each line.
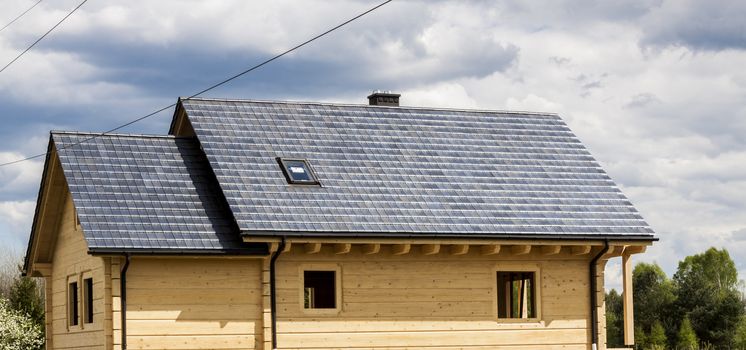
439,95
15,221
23,177
653,87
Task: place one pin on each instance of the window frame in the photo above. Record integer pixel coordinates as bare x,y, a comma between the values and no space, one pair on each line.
518,267
70,305
85,307
337,269
315,179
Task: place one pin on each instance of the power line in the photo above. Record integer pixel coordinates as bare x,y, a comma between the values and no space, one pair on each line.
43,36
216,85
19,16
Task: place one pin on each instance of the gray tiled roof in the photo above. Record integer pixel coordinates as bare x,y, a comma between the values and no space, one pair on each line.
135,192
408,172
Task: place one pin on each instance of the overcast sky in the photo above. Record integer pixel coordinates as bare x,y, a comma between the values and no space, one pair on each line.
656,89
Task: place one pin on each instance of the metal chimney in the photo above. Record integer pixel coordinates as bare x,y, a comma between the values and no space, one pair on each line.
383,98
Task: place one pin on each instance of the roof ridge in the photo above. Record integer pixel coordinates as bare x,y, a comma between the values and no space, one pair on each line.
545,114
99,134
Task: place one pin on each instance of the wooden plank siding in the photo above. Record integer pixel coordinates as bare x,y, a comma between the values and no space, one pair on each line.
70,259
194,303
438,301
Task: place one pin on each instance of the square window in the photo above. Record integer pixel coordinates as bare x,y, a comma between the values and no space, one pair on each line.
516,295
298,171
319,290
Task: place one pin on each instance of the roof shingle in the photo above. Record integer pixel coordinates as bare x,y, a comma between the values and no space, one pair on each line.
408,171
136,192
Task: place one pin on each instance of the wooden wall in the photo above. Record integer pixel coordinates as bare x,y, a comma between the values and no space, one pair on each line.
194,303
70,258
416,301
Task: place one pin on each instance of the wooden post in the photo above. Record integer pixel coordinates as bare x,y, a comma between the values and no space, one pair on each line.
116,305
629,325
266,307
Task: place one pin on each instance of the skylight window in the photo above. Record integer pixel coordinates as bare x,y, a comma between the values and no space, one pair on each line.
297,171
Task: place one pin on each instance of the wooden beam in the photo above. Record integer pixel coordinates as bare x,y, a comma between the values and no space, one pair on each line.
491,249
551,249
636,249
41,270
342,248
430,249
273,247
520,249
629,326
401,249
459,249
288,247
313,248
581,249
372,248
615,250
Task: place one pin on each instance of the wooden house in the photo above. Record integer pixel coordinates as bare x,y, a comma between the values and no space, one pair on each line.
291,225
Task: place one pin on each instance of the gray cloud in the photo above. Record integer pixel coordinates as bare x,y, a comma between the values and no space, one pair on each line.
740,235
699,25
641,100
666,122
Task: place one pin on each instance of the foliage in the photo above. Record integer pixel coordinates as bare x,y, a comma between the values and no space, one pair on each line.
706,288
614,319
687,339
701,307
22,295
25,296
740,336
653,295
657,338
17,330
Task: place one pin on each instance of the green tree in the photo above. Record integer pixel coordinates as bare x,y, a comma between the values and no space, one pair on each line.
641,338
706,288
653,297
687,339
740,337
25,296
657,339
614,320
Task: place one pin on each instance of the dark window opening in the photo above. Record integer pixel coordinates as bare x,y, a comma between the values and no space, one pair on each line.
88,297
73,303
516,295
297,171
319,290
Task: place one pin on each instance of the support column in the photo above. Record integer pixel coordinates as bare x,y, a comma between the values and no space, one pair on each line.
116,304
266,306
601,309
49,308
629,325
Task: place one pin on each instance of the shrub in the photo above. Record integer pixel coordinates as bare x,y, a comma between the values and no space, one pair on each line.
17,330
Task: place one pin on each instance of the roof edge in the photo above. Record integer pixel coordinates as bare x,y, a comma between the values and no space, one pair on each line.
554,237
257,249
546,114
99,134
